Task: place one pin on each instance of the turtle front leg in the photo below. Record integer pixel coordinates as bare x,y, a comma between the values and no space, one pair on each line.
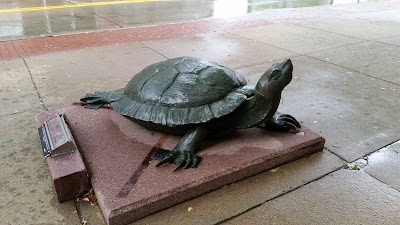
183,153
283,123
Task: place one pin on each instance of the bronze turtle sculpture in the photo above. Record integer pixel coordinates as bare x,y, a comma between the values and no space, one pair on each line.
197,98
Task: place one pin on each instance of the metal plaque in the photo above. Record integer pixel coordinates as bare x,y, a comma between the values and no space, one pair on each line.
55,137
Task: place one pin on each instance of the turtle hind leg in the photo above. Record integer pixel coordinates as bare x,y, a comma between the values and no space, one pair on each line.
183,154
282,123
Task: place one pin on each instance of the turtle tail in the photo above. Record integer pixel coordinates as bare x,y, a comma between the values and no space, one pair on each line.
100,98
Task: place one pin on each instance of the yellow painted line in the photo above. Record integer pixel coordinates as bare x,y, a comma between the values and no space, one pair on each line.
77,5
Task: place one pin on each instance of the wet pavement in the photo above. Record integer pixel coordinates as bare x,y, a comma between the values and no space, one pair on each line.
32,18
345,88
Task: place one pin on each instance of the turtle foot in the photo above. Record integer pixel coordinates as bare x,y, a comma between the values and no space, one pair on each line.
99,98
184,159
283,123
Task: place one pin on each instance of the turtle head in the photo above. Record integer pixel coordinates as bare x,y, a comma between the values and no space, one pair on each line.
275,79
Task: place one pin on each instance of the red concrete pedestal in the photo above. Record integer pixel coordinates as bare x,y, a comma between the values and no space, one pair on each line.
127,184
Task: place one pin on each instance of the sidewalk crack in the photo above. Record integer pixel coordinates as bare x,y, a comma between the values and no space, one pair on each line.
74,3
79,211
353,70
279,195
34,85
153,50
339,156
381,181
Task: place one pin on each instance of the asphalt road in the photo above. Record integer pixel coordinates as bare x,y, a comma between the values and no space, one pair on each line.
31,18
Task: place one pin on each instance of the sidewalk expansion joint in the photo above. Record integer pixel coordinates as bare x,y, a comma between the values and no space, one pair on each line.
340,157
34,85
140,42
331,32
75,3
78,211
377,150
279,195
345,35
362,39
380,181
353,70
316,179
335,47
309,182
19,112
365,157
250,39
381,42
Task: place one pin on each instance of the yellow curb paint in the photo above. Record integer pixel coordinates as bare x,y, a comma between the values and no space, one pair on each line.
77,5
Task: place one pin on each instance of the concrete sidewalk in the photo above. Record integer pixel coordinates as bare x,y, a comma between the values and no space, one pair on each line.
346,87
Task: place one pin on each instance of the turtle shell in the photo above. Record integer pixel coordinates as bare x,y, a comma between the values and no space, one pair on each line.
182,91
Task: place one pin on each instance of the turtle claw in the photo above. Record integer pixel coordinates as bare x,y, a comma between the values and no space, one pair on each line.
164,161
169,158
180,166
188,161
286,118
287,122
283,122
184,159
290,125
192,161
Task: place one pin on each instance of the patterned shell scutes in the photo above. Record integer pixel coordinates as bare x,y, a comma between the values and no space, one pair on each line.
182,91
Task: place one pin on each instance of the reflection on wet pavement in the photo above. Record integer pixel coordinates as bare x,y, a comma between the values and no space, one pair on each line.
29,18
50,22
